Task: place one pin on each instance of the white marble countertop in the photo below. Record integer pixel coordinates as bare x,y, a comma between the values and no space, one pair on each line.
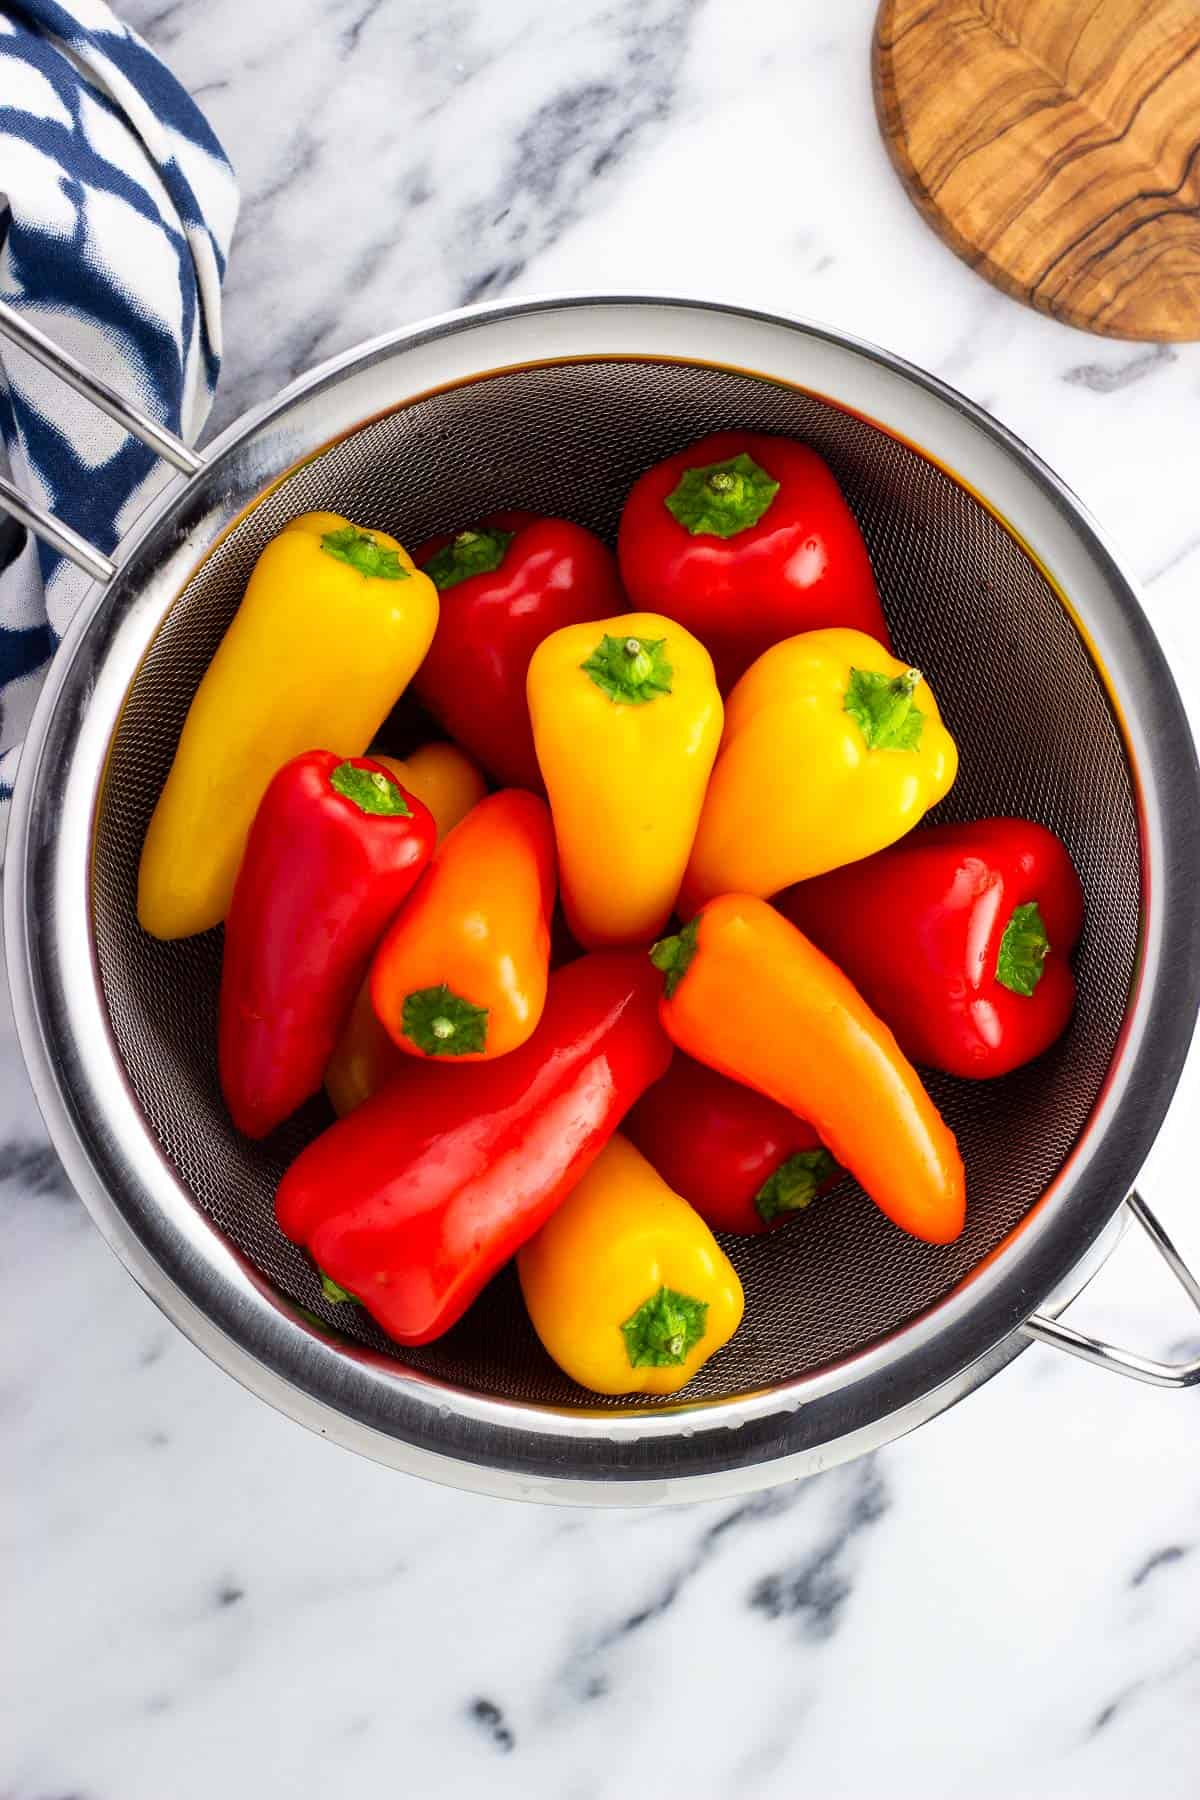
203,1599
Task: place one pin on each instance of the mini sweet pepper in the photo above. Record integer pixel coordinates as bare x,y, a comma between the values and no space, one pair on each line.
462,970
749,995
330,630
960,937
745,1163
334,849
745,538
626,719
625,1284
832,750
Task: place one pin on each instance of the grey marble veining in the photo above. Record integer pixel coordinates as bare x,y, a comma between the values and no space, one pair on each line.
200,1597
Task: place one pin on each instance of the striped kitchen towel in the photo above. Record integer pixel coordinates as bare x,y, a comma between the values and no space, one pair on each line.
118,207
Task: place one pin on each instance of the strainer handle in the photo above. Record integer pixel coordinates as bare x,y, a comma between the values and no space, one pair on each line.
18,330
1110,1356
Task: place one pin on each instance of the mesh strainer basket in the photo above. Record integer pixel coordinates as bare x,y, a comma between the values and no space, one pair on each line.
993,579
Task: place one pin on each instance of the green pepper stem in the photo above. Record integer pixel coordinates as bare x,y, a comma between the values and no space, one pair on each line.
631,671
794,1184
660,1334
361,551
723,498
882,707
476,551
1023,950
335,1292
673,955
371,790
442,1023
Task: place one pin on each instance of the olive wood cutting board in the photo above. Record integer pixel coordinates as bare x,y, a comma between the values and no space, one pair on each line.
1055,146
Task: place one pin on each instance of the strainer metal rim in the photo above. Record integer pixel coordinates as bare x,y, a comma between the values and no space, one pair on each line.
471,1439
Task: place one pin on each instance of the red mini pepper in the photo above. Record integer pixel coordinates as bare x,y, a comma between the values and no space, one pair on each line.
334,848
414,1200
743,1162
746,539
958,937
505,585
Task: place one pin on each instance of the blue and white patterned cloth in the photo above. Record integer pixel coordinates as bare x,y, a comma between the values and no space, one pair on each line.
116,210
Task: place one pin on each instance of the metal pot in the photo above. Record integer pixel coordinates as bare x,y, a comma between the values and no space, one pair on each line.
995,579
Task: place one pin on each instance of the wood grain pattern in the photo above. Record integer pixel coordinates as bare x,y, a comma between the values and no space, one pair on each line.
1055,146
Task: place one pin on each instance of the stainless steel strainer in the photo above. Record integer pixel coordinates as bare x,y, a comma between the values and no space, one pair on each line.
994,581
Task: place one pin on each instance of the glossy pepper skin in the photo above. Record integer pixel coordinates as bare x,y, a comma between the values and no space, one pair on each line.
626,1286
413,1202
462,971
960,937
444,779
832,750
626,719
745,1163
749,995
506,584
745,538
331,628
335,847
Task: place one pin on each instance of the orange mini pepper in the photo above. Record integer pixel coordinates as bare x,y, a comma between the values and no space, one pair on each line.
750,996
462,971
444,779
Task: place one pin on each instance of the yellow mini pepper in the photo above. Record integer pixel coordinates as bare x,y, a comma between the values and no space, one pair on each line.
333,624
626,1286
626,721
832,750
